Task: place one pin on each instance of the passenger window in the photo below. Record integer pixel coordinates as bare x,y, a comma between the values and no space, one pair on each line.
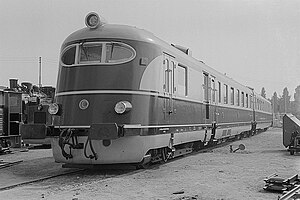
247,101
225,94
243,99
237,97
213,89
205,86
232,96
182,80
220,92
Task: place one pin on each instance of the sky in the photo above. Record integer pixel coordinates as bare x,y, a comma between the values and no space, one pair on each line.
255,42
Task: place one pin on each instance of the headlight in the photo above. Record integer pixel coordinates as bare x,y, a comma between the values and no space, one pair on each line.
53,108
122,107
92,20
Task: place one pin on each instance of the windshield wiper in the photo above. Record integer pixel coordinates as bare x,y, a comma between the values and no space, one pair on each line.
84,51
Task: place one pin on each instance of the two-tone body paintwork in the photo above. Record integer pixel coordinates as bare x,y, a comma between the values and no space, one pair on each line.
168,108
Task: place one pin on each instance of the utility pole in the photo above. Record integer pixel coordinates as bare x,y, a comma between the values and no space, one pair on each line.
40,72
273,110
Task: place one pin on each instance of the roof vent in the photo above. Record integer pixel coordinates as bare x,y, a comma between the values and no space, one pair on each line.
183,49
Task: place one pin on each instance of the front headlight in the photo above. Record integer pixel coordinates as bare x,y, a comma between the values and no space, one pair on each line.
122,107
53,108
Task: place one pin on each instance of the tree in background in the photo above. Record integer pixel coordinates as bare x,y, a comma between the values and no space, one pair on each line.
297,94
275,103
263,92
296,103
285,102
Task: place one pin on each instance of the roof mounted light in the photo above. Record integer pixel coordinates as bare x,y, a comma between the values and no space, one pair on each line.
92,20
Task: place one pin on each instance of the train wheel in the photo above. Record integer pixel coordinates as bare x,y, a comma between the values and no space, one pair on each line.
165,154
292,152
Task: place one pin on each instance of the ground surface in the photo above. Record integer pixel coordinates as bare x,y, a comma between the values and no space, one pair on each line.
214,175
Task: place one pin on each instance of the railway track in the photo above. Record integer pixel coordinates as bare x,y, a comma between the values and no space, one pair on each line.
107,171
102,173
37,180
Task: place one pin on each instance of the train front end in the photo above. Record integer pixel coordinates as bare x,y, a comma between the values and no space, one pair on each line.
98,104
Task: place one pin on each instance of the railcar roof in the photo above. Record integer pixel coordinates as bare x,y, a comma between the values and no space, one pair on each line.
114,31
117,31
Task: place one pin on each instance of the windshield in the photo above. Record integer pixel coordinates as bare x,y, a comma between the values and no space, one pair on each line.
68,57
104,53
90,53
116,52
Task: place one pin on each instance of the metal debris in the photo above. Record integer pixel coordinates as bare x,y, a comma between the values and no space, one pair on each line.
179,192
241,147
278,184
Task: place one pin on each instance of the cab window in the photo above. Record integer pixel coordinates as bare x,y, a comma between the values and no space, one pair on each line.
116,52
90,53
68,57
102,53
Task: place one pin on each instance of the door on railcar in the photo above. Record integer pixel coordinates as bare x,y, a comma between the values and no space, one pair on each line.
214,102
206,95
169,87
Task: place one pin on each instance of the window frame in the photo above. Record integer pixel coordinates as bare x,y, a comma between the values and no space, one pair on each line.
103,54
232,96
220,92
225,93
237,97
242,99
185,70
213,88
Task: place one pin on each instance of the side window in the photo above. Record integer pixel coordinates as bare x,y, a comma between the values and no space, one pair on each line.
232,96
182,80
206,87
1,98
237,97
220,92
172,77
225,94
213,92
247,101
167,81
116,52
243,99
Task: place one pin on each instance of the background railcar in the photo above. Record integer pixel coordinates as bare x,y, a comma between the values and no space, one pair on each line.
125,96
37,120
10,118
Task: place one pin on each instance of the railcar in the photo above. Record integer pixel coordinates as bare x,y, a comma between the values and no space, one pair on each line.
10,118
37,120
125,96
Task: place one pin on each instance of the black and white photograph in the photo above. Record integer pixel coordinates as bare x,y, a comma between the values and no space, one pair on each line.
149,99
